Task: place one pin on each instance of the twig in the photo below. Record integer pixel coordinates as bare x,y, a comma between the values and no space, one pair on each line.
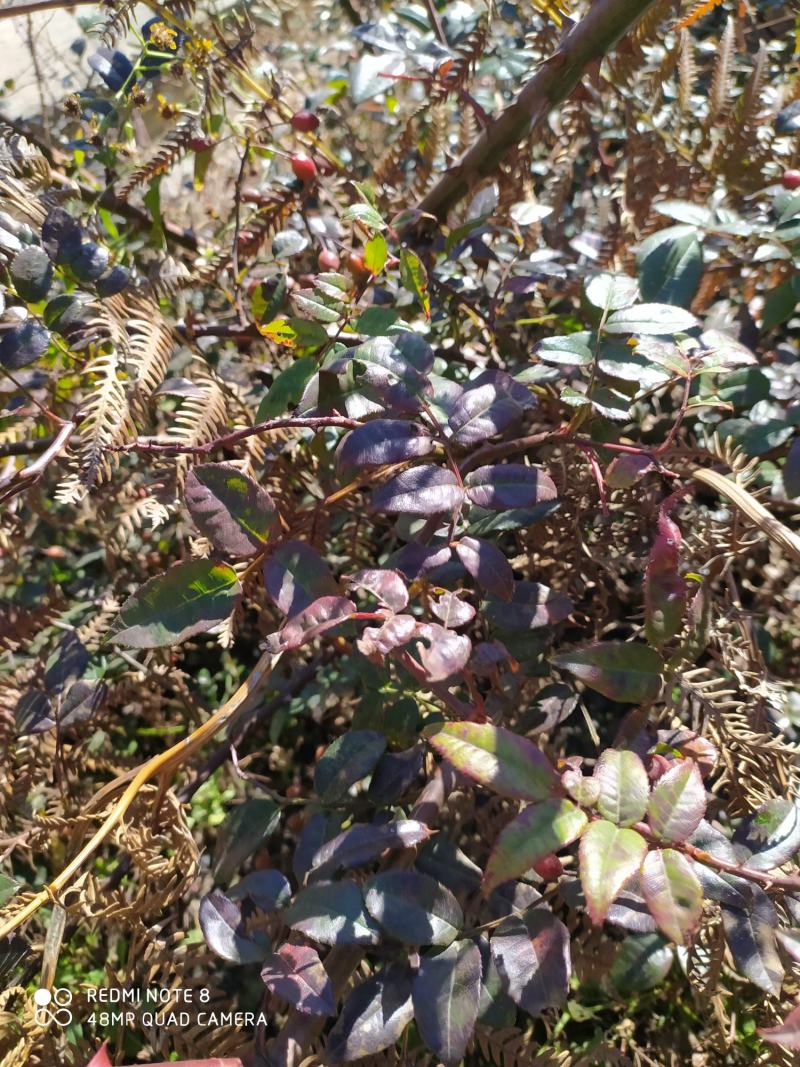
161,447
34,6
20,480
588,41
788,882
26,448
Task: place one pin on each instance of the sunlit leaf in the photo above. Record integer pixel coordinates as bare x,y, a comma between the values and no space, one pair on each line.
332,913
296,974
619,670
188,599
677,803
374,1016
609,857
497,758
229,508
673,893
623,787
533,958
536,832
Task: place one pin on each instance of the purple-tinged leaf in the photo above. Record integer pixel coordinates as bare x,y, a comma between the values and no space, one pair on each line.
487,657
269,890
609,857
508,485
441,652
664,588
630,911
724,888
488,404
245,829
296,974
229,508
487,565
67,663
555,703
387,585
318,618
791,470
295,576
751,937
395,367
628,673
497,758
513,900
82,701
785,1034
446,997
34,713
413,907
627,469
188,599
374,1016
363,842
677,803
531,607
425,490
394,633
536,832
770,836
381,441
452,610
532,956
415,560
346,761
495,1008
322,826
789,938
223,929
332,913
673,893
443,860
624,787
395,774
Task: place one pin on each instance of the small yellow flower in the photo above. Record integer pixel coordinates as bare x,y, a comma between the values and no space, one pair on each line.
163,36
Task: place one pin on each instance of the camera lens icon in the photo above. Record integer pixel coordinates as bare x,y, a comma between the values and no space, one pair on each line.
52,1006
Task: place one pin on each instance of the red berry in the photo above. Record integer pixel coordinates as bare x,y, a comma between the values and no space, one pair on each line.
549,867
304,168
791,179
356,263
328,260
304,121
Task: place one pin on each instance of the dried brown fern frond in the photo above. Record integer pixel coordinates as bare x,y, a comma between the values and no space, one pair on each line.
512,1047
705,7
123,16
167,153
721,80
106,415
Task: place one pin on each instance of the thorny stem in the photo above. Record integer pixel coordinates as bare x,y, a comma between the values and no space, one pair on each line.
786,882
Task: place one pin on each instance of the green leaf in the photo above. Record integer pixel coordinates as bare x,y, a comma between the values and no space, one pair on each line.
332,913
446,997
413,907
612,292
229,508
242,833
677,803
608,856
350,758
8,887
266,305
280,331
287,388
673,893
365,214
187,599
415,278
624,787
312,305
536,832
651,319
571,350
497,758
628,673
670,266
643,962
375,253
